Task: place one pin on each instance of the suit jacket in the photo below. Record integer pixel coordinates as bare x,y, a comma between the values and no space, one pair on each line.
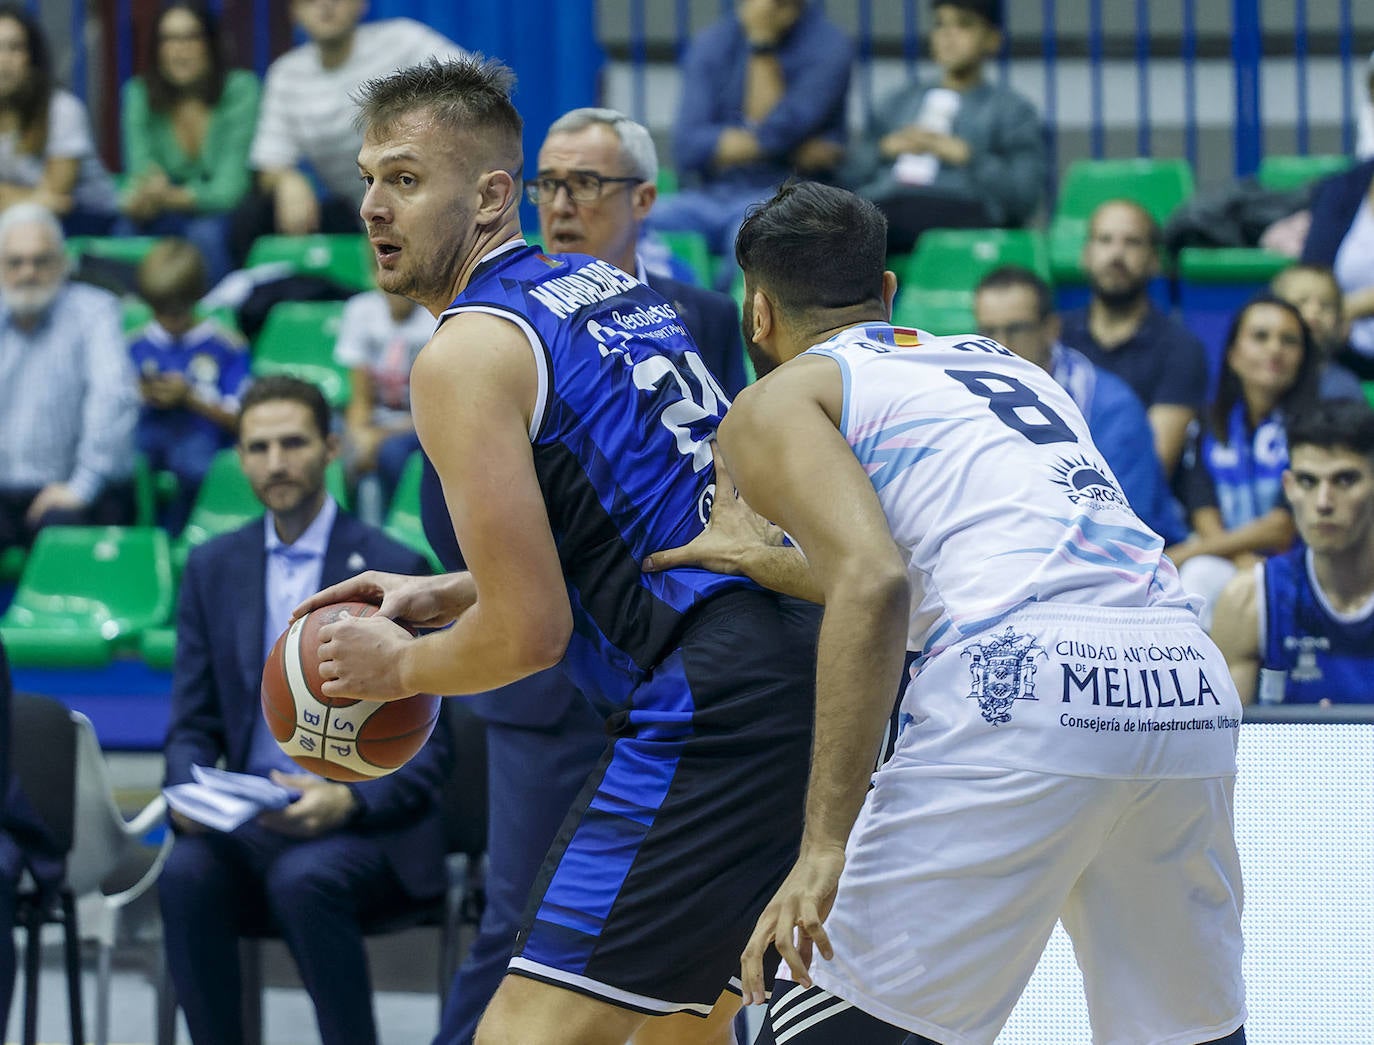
217,678
1335,201
713,321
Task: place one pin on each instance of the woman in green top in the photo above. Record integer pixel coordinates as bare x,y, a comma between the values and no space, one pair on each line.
187,125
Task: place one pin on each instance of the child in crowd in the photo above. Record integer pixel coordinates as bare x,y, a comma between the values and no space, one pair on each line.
191,373
379,337
1313,290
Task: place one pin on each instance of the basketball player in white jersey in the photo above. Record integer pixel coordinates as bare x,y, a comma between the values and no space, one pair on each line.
1066,744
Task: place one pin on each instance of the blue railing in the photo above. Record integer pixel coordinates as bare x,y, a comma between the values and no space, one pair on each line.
1109,49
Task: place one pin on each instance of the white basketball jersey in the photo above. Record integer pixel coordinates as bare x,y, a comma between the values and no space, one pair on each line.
999,500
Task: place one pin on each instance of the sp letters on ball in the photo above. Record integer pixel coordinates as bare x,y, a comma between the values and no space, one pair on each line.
334,737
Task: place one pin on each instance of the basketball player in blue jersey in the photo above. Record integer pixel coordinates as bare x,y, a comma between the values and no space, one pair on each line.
569,418
1067,731
1299,629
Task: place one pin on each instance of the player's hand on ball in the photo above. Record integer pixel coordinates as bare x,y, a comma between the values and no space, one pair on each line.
360,658
322,806
801,903
426,602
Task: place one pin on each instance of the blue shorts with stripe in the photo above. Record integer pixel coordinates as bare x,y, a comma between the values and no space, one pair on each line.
690,823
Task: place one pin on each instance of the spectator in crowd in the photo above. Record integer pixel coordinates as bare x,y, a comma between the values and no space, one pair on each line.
380,335
1313,290
191,373
185,128
1231,478
1121,330
595,186
1299,628
306,119
1014,306
47,155
545,720
956,152
340,852
1341,236
68,404
763,97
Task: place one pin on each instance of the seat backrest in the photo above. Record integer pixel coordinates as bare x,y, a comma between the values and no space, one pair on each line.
1293,172
464,798
98,839
345,258
1157,185
403,520
43,761
113,579
298,339
956,259
225,500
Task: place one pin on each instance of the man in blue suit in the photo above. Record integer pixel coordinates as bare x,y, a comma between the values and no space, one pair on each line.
340,852
594,186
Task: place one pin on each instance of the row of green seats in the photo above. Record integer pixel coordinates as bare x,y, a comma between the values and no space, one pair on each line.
89,593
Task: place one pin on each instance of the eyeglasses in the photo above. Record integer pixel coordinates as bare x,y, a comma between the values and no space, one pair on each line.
581,186
1010,331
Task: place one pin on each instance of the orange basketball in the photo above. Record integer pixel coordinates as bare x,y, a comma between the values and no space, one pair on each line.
337,738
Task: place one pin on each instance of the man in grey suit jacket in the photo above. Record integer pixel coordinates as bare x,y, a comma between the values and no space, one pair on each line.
340,852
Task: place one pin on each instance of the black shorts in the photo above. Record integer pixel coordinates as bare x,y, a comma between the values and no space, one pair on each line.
686,829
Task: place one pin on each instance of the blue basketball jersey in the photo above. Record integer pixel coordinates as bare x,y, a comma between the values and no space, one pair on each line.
1310,653
621,435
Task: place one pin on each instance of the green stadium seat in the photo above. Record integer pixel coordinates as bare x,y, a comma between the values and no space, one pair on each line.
937,280
666,181
1248,265
86,593
1157,185
298,339
693,251
1369,392
1293,172
158,647
132,249
12,563
403,520
345,258
225,501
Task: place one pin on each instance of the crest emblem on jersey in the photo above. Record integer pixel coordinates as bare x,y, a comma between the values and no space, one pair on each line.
1085,482
1003,670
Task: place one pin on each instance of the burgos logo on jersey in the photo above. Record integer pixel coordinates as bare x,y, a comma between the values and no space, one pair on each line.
1085,483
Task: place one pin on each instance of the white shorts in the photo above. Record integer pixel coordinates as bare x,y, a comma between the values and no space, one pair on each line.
956,875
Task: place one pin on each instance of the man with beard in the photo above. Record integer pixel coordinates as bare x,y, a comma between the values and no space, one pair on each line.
68,402
1121,329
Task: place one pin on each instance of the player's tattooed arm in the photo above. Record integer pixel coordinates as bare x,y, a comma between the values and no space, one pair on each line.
738,540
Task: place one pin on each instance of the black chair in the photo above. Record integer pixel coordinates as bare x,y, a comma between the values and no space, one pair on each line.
464,804
43,759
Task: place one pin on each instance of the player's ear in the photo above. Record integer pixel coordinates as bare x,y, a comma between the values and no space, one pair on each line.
498,196
765,319
332,446
643,197
889,290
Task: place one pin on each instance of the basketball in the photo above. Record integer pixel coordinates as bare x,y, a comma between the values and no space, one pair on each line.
334,737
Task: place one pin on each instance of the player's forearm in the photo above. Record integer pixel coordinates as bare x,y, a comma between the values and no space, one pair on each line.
480,652
861,652
782,568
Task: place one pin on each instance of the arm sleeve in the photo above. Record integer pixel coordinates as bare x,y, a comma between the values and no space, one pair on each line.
1012,171
815,92
135,128
229,142
195,735
274,147
110,411
700,118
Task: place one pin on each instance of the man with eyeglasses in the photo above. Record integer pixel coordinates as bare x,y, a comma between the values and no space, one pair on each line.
595,187
68,400
1014,306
